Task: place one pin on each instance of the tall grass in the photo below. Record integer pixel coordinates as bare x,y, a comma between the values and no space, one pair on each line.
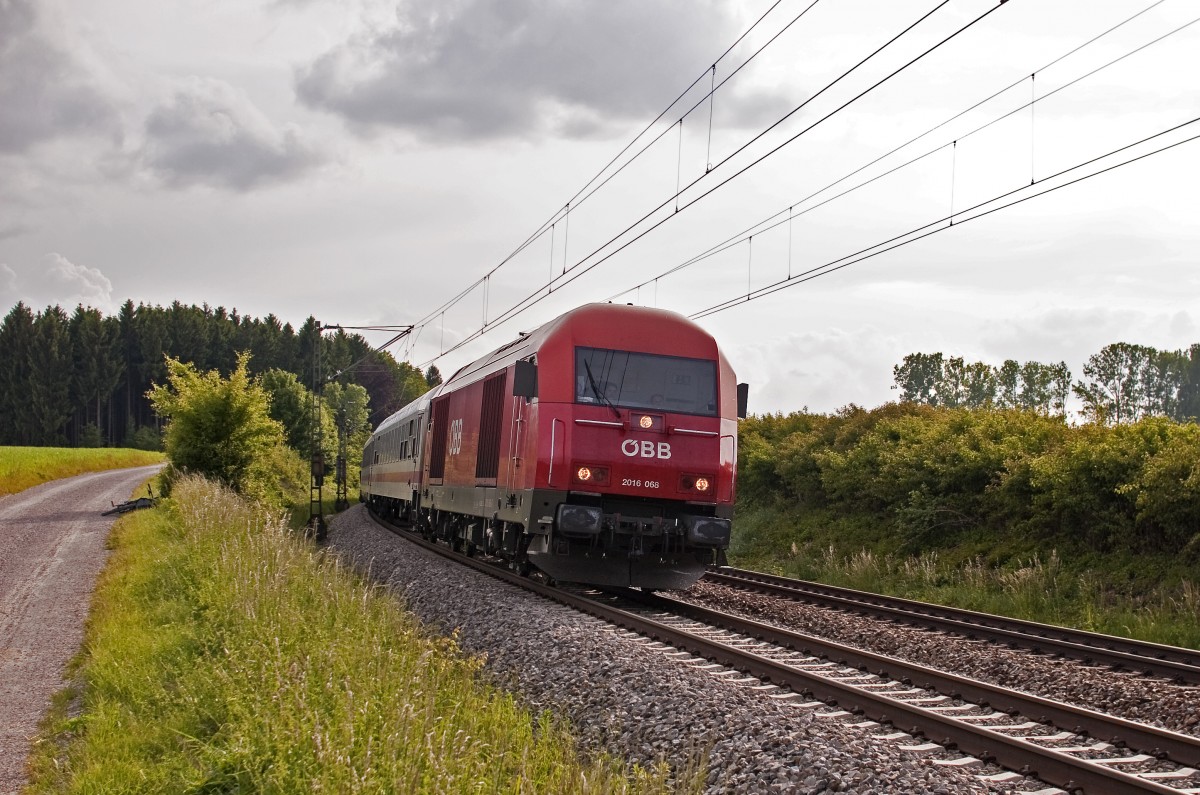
1001,577
25,467
223,655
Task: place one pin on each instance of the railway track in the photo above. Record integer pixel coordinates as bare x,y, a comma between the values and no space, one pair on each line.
1074,748
1170,662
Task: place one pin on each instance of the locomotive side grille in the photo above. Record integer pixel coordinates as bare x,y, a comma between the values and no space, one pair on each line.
487,465
437,450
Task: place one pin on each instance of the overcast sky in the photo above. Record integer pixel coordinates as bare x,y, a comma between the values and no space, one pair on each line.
364,161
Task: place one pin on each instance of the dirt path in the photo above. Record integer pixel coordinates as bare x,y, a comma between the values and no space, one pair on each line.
52,546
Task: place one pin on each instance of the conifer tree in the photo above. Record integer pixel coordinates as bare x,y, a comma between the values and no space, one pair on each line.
50,376
16,344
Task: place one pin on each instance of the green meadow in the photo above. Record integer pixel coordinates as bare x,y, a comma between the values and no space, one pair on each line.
25,467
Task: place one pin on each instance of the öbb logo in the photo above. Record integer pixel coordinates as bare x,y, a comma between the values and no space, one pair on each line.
633,448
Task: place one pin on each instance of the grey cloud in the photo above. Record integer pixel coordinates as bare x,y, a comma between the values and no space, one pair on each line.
44,92
12,229
210,134
474,69
755,108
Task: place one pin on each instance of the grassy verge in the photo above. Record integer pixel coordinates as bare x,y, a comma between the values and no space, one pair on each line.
222,655
1151,597
25,467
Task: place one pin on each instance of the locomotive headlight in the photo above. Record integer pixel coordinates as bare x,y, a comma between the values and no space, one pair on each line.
591,474
702,484
647,422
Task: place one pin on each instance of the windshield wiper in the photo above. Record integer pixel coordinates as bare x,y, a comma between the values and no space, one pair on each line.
596,390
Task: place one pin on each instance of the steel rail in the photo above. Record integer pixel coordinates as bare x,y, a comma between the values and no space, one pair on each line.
1013,753
1181,748
1172,662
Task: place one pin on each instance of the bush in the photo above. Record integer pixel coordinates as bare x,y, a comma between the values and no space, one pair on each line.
144,437
219,427
932,473
1167,492
1089,484
90,436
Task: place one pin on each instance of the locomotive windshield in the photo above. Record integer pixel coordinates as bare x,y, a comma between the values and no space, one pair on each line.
646,381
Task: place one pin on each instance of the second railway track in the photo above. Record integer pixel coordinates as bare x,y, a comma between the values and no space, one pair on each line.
1170,662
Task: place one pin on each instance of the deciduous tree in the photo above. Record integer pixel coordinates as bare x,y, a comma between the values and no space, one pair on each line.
219,427
1115,391
918,378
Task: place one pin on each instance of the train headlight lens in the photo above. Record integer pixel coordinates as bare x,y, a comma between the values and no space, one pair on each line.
702,484
646,421
591,474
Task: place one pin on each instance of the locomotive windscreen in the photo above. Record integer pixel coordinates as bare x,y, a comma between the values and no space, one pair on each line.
646,381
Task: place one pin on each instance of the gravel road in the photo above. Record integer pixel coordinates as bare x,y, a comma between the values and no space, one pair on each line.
52,546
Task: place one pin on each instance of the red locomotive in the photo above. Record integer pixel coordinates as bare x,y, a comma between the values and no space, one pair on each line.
599,448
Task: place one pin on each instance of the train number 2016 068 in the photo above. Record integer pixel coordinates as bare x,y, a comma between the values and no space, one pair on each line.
638,484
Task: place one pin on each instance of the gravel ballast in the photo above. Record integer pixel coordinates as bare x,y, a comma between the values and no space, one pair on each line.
1130,696
631,700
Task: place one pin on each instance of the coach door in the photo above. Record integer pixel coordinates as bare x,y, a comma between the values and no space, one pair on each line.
524,390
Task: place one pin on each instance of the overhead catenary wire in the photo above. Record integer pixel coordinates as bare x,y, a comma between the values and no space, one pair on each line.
771,222
413,338
581,197
782,119
541,230
700,102
933,227
580,268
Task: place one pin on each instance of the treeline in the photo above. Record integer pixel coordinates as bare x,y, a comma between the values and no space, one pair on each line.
931,475
81,379
1122,383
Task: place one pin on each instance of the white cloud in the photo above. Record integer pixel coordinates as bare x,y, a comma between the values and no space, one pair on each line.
56,280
